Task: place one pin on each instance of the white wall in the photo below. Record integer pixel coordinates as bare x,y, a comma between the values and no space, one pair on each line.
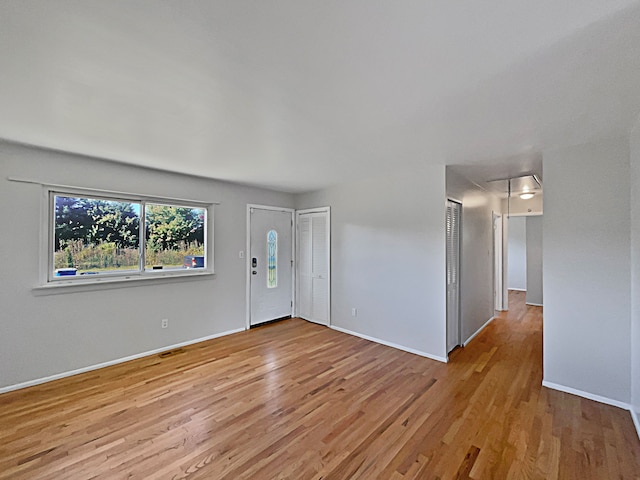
586,261
517,254
534,259
388,257
635,271
476,267
47,335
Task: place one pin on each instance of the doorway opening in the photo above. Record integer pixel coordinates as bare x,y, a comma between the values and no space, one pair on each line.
524,265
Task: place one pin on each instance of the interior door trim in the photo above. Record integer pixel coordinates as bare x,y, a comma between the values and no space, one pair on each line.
247,256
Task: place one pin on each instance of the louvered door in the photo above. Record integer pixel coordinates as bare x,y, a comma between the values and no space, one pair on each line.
453,274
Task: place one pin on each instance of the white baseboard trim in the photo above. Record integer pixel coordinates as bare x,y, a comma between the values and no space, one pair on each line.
587,395
466,342
597,398
636,420
313,321
534,304
517,289
389,344
70,373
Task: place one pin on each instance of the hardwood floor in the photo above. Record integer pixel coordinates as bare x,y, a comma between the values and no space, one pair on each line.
294,400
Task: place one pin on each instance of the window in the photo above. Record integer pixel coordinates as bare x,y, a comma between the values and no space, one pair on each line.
96,236
174,237
272,259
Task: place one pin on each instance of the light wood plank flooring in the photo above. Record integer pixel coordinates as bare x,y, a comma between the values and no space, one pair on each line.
294,400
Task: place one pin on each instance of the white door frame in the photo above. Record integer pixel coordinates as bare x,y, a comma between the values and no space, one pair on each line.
326,210
248,258
498,261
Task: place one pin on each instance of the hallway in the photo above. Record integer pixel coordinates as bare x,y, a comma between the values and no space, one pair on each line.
523,430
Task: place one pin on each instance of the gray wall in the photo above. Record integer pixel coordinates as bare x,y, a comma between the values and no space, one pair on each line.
47,335
586,260
476,266
517,253
635,268
388,257
534,259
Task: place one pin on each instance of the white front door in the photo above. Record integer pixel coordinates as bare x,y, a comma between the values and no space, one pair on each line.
270,264
314,265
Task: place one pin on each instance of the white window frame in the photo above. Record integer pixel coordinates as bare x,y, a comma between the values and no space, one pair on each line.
49,280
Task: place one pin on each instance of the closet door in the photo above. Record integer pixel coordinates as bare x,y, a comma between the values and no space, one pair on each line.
320,271
314,265
305,284
454,211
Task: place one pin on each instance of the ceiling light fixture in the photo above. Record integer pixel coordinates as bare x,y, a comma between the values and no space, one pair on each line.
526,192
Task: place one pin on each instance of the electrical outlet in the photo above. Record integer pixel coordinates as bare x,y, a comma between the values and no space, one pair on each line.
241,254
354,312
165,322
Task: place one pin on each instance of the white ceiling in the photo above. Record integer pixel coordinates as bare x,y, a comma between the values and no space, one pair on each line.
297,95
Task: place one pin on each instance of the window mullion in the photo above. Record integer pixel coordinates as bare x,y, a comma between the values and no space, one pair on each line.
142,236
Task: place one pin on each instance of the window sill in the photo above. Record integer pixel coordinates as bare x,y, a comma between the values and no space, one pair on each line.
105,283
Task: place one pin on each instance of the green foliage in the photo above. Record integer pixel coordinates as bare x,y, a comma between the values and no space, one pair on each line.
95,221
105,256
173,257
99,235
114,222
168,227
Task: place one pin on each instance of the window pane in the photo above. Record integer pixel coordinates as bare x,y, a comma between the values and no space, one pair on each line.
95,236
174,237
272,259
